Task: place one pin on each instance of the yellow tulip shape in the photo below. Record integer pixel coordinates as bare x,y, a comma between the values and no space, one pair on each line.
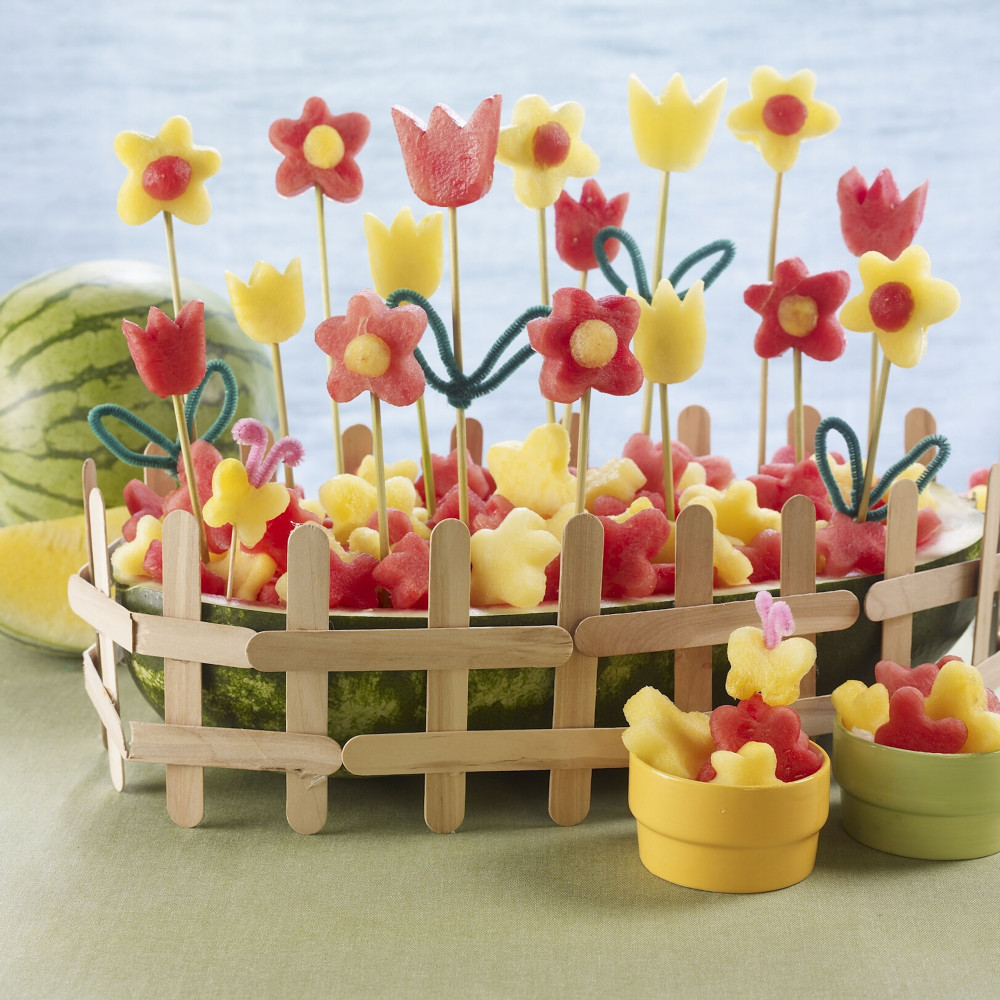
670,338
407,254
272,307
672,132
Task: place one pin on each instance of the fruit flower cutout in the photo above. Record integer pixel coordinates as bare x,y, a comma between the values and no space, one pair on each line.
578,222
898,302
799,310
271,307
672,132
319,150
584,344
544,147
780,114
371,348
876,218
407,254
169,355
166,173
449,162
763,660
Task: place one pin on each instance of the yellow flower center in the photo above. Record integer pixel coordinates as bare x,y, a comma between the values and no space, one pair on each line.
368,355
798,315
593,343
323,147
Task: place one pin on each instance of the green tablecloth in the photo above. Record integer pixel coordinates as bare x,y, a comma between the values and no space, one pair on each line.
103,896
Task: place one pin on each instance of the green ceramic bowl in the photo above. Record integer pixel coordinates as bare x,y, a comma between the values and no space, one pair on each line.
918,805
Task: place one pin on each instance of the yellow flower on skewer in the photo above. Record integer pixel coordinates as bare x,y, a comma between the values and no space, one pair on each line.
272,307
670,338
246,507
672,132
166,173
407,254
780,114
544,147
897,303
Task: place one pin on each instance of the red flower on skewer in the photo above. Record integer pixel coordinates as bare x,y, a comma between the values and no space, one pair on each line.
799,310
875,218
449,162
372,348
169,355
320,148
585,345
578,222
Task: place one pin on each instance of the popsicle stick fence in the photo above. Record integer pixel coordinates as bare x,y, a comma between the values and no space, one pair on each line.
308,649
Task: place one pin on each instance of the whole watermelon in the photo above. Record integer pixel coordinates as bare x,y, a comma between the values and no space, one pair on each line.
62,352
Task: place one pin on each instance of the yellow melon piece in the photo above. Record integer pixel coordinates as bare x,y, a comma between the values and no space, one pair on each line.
38,558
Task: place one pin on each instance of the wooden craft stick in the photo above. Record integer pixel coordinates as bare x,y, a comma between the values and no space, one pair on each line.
930,588
984,639
501,647
356,444
694,429
685,627
810,421
575,682
306,694
990,669
105,645
107,710
490,750
798,563
182,678
816,713
158,480
300,754
447,691
209,642
473,439
103,612
693,664
900,560
919,423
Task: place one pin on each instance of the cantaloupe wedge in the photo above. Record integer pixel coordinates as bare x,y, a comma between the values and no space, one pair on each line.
36,560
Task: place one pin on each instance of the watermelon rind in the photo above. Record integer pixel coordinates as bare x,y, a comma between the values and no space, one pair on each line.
62,352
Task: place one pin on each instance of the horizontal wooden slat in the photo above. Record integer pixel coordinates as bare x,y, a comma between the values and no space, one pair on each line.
107,711
487,648
706,624
243,749
100,611
495,750
930,588
200,642
817,714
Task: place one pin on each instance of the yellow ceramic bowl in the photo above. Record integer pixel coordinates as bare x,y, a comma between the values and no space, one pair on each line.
918,805
725,838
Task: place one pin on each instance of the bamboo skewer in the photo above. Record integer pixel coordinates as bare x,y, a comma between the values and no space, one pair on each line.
668,455
582,452
658,253
456,336
279,392
543,280
866,487
772,253
324,275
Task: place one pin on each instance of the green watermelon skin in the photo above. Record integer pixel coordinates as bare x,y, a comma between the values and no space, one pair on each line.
62,352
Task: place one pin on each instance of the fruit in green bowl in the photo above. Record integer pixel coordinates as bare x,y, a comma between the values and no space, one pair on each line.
62,352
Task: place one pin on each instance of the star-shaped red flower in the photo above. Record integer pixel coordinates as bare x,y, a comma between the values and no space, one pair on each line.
876,218
578,222
372,348
800,310
629,546
585,345
405,572
320,148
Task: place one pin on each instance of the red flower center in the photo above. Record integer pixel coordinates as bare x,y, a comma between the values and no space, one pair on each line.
784,114
891,306
550,144
166,178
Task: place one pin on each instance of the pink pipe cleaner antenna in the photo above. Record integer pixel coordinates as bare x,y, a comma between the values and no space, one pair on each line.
260,462
775,618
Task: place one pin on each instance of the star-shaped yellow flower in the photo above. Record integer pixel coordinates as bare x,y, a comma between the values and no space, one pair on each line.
166,173
670,338
672,132
897,303
127,558
350,501
752,765
620,478
664,736
534,473
508,563
247,508
780,114
407,254
544,147
737,512
272,307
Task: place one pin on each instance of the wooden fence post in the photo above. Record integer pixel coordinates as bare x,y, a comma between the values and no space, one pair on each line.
694,429
798,563
695,577
182,678
984,641
900,560
306,691
575,684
